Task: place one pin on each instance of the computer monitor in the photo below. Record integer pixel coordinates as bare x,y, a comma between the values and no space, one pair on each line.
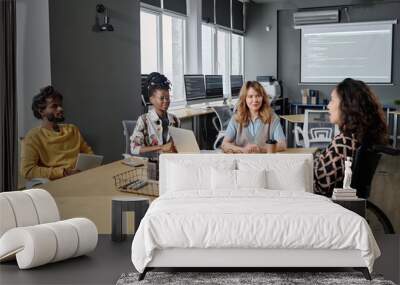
194,86
236,84
214,87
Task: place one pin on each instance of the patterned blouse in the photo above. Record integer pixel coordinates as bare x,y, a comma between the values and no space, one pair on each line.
329,164
149,130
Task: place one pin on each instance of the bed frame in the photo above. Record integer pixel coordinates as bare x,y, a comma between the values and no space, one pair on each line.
246,258
256,258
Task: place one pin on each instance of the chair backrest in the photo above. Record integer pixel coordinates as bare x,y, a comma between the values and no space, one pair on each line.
317,127
145,104
128,126
364,166
26,208
224,115
321,134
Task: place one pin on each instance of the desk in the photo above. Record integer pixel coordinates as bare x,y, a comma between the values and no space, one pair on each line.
193,111
88,194
395,119
188,112
306,106
190,119
296,119
298,150
293,119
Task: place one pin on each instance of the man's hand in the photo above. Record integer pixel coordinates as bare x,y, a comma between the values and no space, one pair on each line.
68,172
251,148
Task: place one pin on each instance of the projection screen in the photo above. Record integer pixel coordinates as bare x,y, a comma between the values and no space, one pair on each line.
332,52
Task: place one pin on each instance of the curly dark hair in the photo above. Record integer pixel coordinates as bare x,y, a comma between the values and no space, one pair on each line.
39,101
156,81
361,113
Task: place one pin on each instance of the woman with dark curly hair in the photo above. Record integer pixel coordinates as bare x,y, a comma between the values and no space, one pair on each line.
359,115
151,131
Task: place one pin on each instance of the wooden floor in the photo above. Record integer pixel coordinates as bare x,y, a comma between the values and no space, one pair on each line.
111,259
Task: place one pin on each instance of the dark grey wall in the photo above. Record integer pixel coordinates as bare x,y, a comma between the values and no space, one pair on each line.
98,73
260,46
278,52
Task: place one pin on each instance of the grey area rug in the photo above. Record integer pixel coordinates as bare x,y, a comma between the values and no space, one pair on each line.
228,278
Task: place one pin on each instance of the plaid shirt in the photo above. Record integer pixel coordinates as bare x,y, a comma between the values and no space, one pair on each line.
149,131
329,164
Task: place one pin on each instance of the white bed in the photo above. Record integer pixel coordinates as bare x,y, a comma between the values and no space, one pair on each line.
202,220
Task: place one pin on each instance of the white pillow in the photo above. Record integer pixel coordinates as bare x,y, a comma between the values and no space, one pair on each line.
281,174
189,176
226,179
291,179
223,179
251,178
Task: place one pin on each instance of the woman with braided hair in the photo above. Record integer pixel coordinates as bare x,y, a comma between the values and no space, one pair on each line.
151,131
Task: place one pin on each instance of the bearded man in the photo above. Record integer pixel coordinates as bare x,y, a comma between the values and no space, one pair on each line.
50,151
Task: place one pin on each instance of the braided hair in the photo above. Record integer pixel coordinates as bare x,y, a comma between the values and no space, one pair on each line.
156,81
39,101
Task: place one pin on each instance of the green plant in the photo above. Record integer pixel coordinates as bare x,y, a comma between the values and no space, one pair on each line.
397,102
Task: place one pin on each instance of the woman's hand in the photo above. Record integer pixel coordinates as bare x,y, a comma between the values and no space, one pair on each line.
168,147
251,148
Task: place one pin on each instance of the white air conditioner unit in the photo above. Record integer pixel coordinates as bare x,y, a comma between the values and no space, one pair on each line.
315,17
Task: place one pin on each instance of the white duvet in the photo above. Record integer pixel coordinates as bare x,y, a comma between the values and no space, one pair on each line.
253,218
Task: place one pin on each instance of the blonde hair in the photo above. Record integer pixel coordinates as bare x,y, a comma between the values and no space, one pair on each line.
243,113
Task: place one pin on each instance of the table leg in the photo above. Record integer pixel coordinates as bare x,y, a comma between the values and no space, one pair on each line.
116,232
196,128
395,130
294,139
287,130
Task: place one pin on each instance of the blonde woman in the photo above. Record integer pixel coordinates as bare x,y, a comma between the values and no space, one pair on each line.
254,123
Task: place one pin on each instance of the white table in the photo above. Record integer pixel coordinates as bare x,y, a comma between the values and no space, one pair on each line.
293,119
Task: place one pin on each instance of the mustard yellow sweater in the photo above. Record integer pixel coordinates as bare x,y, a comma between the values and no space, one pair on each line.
46,153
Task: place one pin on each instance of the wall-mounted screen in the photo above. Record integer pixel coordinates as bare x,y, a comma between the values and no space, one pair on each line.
332,52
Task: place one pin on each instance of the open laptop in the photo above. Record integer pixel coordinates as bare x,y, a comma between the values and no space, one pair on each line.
87,161
184,140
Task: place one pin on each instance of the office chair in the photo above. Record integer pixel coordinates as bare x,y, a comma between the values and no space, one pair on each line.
221,121
128,126
317,130
365,164
145,104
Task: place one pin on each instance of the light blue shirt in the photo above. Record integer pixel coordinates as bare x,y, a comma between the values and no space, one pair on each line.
253,127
